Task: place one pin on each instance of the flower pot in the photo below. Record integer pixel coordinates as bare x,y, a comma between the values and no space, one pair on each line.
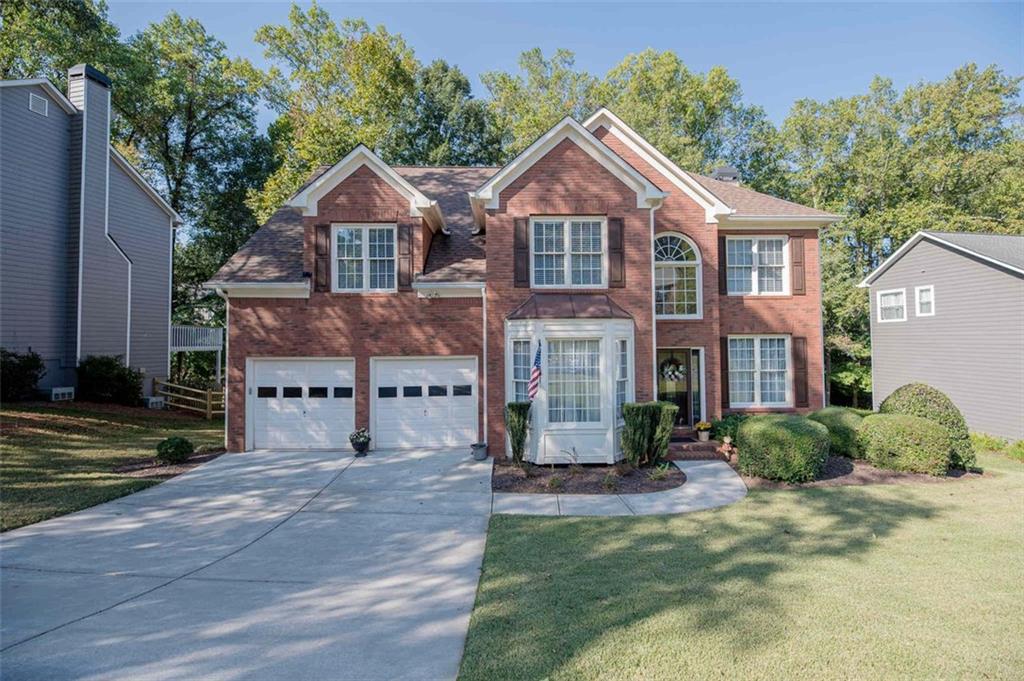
479,451
361,448
703,435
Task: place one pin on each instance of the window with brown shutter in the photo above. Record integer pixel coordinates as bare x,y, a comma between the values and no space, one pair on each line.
796,259
616,253
405,255
800,371
322,277
723,284
521,252
724,356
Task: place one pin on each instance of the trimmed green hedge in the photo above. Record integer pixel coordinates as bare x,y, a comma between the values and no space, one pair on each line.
727,426
924,401
905,443
517,422
842,424
647,431
782,447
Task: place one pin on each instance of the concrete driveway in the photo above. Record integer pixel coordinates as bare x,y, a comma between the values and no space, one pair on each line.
267,565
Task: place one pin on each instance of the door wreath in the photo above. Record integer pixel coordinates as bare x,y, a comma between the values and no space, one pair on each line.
673,370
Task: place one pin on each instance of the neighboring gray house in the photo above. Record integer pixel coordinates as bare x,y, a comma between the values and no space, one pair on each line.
947,309
85,242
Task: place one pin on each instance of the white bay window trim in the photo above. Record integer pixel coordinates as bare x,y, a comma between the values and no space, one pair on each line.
366,258
921,300
759,371
623,376
891,302
567,252
759,247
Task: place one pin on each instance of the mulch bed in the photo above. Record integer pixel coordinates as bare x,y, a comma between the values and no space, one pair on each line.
840,471
150,467
585,479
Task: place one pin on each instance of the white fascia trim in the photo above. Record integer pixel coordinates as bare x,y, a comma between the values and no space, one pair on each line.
58,96
646,193
127,167
419,204
712,205
288,289
891,260
449,289
760,221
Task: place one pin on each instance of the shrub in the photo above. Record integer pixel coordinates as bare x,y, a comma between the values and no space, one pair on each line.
19,374
104,378
905,443
1016,450
842,426
647,431
174,450
517,422
983,442
727,426
782,447
924,401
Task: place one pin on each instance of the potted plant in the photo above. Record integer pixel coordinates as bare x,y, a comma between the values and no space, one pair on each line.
360,440
703,429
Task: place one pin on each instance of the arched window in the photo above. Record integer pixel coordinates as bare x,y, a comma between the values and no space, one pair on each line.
677,277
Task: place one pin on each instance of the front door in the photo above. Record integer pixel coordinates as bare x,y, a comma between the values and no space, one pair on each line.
679,382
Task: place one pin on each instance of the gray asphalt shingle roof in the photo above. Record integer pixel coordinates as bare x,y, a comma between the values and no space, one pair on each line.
1005,248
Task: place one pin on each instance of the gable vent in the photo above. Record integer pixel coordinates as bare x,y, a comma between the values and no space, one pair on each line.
38,104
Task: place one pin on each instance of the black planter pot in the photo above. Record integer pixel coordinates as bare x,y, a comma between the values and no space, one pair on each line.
361,448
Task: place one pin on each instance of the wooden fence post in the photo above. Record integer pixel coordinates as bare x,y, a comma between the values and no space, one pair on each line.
209,405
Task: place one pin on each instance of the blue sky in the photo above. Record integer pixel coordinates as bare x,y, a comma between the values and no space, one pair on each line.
778,52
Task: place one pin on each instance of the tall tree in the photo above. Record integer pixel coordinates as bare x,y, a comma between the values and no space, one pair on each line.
345,84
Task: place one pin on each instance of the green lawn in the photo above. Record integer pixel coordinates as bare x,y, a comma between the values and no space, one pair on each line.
878,582
60,459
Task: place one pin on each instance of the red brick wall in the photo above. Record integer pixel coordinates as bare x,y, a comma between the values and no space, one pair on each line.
344,324
567,181
724,315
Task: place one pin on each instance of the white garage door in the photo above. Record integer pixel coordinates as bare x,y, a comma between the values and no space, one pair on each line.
424,402
302,404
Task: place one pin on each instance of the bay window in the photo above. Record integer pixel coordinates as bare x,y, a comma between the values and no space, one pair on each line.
677,281
574,381
364,257
521,367
759,371
568,252
621,376
757,266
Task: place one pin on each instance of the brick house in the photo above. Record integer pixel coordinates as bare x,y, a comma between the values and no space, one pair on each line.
414,301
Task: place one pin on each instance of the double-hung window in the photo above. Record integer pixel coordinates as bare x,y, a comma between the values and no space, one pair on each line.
677,286
568,252
364,257
621,376
757,265
574,381
892,305
759,371
521,368
925,300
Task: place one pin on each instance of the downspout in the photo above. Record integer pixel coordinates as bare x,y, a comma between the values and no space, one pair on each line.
654,315
483,296
227,357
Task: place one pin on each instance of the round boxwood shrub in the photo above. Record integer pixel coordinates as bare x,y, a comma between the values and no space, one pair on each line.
842,426
905,443
174,450
782,447
924,401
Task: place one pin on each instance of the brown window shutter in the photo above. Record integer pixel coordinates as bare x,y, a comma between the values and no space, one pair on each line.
322,278
725,372
616,253
405,255
521,252
796,263
723,283
800,371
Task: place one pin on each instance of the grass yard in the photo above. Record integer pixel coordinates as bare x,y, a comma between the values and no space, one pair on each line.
921,581
59,459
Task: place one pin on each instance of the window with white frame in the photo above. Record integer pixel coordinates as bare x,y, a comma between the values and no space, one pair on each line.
757,265
574,381
892,305
521,367
925,298
759,371
621,375
568,252
364,257
677,284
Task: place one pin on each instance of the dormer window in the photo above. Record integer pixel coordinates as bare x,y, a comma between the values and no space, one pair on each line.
364,257
568,252
677,277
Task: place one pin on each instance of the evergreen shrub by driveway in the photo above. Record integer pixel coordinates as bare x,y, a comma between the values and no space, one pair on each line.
905,443
924,401
782,447
842,426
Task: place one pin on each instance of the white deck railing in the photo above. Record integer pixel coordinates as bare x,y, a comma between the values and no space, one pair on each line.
188,338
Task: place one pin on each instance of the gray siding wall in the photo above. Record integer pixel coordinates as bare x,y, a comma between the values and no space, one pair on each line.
971,349
143,230
34,230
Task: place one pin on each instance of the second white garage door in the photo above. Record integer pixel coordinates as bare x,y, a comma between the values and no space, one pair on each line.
424,402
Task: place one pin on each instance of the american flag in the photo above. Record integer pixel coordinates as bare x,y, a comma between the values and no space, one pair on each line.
535,375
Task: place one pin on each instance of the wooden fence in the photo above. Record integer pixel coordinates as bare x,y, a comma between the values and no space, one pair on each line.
209,403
